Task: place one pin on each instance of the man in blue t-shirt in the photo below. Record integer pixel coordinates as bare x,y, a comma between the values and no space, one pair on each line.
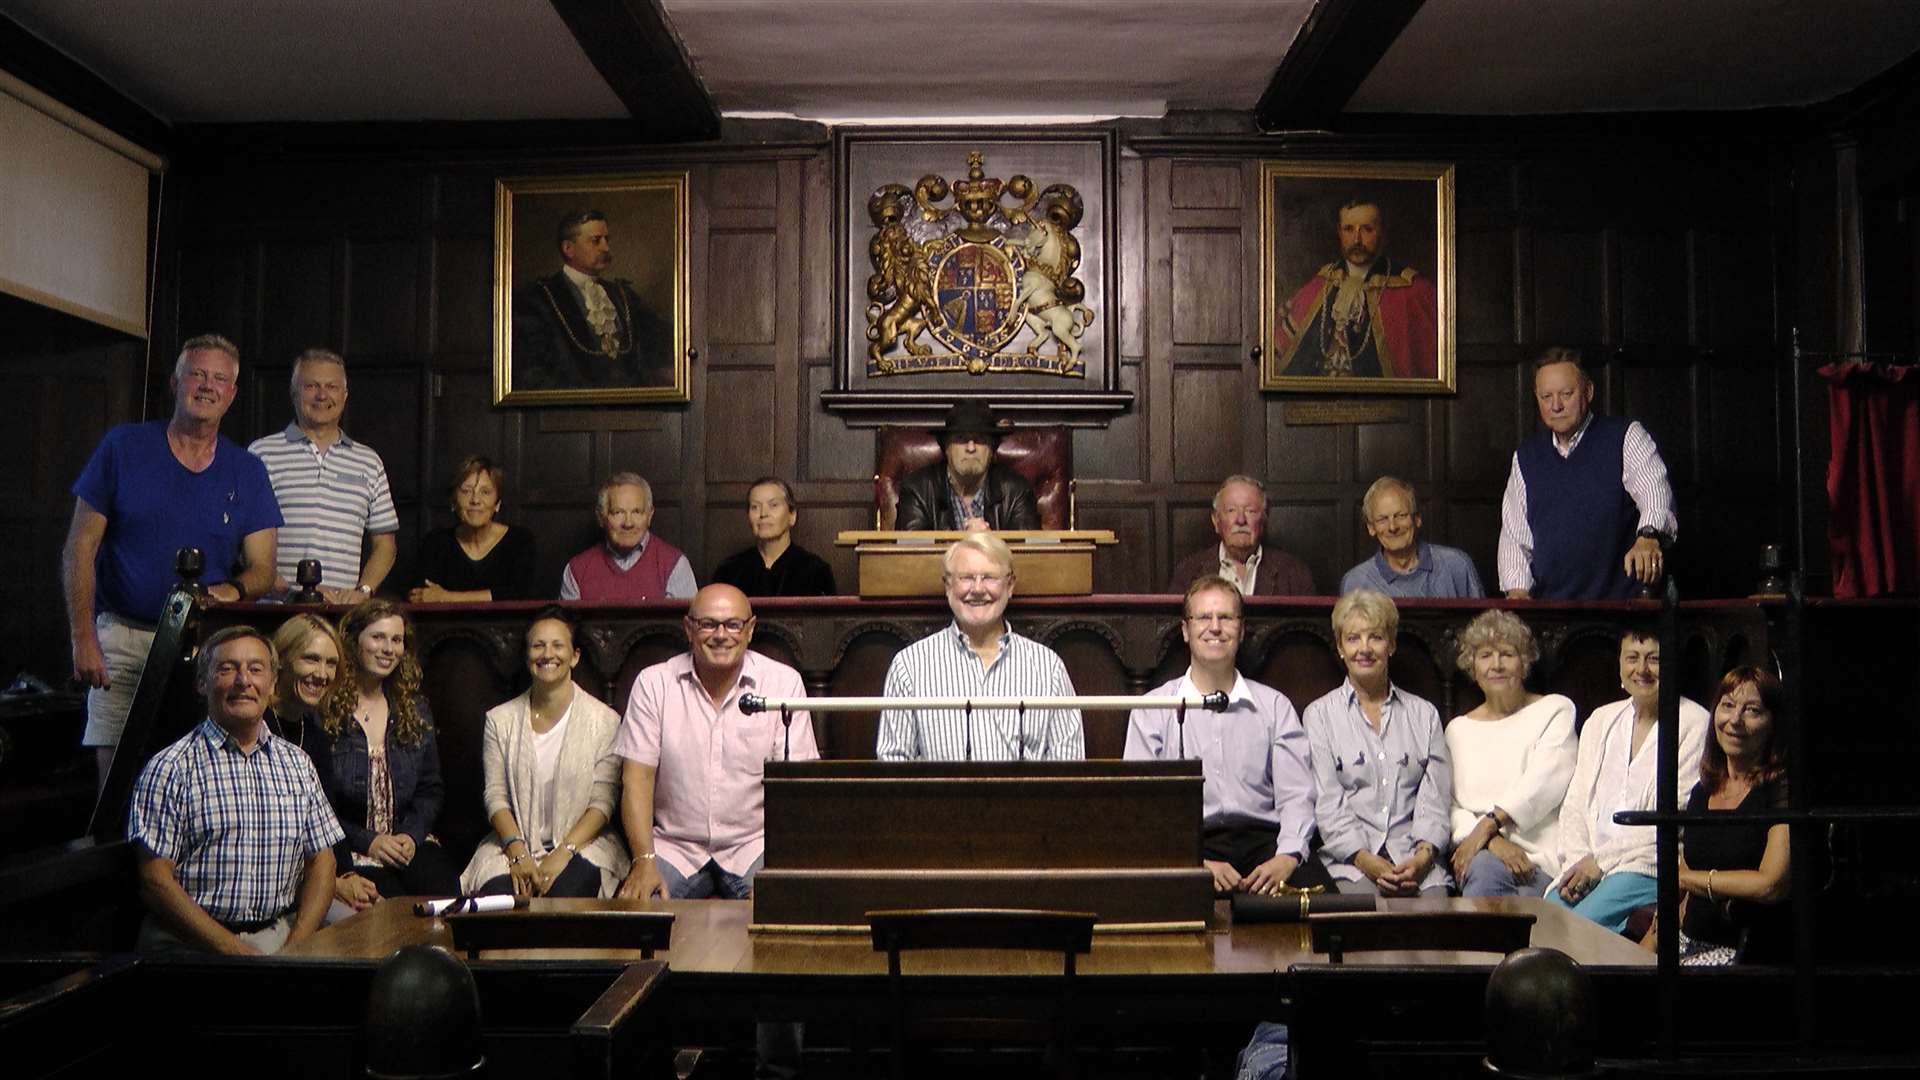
149,490
1405,565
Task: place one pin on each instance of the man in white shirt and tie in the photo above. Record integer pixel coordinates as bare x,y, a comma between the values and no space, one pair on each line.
578,328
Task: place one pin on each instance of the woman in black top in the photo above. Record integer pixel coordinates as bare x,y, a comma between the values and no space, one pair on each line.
1736,875
774,565
479,559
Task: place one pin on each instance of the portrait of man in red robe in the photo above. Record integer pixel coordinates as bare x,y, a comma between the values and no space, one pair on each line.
1364,315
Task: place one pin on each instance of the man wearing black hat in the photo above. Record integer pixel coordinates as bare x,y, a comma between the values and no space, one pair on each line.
968,491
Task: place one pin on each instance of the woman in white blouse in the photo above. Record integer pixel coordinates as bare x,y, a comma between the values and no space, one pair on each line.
1512,758
553,782
1607,870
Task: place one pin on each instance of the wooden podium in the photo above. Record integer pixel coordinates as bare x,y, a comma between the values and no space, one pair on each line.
1047,563
1119,838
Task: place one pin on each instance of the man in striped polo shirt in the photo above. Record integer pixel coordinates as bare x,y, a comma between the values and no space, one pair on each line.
332,490
979,655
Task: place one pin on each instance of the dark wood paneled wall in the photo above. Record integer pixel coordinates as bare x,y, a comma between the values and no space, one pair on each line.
65,381
1659,259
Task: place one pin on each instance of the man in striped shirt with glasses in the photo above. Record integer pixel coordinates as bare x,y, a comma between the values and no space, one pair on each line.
979,655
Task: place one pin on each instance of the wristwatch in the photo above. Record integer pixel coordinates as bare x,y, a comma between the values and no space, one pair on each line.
1648,532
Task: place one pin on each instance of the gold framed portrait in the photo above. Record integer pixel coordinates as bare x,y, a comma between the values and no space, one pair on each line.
1357,277
590,289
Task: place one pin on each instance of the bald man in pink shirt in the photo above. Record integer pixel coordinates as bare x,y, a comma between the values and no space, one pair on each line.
692,762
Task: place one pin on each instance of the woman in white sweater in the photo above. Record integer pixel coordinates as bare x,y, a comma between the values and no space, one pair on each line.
1512,758
553,782
1607,870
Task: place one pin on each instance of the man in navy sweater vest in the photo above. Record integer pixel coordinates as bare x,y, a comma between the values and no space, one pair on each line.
1588,505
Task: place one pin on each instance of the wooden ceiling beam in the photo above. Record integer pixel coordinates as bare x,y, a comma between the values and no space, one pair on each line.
1334,53
633,46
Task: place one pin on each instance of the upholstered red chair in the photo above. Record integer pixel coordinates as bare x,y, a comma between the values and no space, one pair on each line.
1044,455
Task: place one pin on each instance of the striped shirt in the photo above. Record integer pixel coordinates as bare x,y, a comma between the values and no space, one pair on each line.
941,665
1642,473
237,826
329,499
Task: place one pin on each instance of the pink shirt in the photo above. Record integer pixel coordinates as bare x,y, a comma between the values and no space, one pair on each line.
707,798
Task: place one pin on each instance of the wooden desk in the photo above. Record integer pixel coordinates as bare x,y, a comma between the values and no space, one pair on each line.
719,969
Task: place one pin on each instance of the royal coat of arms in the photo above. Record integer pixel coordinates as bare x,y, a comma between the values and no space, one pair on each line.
985,284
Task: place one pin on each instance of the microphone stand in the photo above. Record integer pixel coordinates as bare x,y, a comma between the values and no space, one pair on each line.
1020,731
1180,722
786,733
968,721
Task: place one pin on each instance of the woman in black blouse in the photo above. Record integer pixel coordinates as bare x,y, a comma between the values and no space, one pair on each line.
479,559
1736,875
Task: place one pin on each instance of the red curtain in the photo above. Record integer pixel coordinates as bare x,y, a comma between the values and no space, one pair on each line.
1873,478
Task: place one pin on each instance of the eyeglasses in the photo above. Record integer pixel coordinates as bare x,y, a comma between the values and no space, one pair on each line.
1386,520
973,581
708,626
1214,617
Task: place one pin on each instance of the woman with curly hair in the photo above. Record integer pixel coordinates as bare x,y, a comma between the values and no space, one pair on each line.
378,761
1513,755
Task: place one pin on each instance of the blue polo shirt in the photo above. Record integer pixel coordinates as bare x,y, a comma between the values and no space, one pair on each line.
1444,572
155,506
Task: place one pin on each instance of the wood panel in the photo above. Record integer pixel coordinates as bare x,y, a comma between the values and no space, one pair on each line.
1207,288
740,288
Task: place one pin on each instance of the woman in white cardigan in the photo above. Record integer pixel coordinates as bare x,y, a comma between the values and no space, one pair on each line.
1607,870
552,782
1512,757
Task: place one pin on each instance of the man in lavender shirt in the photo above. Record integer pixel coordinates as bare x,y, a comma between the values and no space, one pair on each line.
1258,801
1380,764
691,767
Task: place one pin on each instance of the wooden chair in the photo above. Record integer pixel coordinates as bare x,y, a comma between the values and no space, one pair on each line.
1069,933
1447,931
1044,455
476,932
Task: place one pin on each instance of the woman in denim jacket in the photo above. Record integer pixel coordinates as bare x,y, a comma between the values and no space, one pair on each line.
375,751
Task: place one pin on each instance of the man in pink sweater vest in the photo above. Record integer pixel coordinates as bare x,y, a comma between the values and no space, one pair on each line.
631,564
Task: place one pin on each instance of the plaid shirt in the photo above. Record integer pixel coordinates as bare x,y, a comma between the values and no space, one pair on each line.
237,826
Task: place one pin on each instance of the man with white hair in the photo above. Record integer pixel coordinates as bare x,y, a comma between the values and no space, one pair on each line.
1406,565
631,564
1242,556
331,489
149,490
978,656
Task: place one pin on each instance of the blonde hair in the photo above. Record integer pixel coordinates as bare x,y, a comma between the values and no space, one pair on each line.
1373,608
1497,627
292,636
986,544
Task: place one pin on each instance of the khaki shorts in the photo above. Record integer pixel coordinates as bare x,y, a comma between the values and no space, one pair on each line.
125,646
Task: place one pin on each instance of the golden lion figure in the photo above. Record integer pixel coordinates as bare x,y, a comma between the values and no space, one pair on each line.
901,287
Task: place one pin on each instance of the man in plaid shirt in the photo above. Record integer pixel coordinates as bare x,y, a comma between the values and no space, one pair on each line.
236,837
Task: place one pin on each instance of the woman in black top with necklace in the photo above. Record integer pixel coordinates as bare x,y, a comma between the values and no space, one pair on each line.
1736,876
479,559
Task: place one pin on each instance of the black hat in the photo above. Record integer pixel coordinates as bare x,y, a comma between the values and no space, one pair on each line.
970,418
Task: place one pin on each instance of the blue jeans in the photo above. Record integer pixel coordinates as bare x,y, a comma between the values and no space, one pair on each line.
1488,876
1613,901
707,883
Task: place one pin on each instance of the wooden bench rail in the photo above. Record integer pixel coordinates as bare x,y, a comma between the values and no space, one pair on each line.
476,932
1450,931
